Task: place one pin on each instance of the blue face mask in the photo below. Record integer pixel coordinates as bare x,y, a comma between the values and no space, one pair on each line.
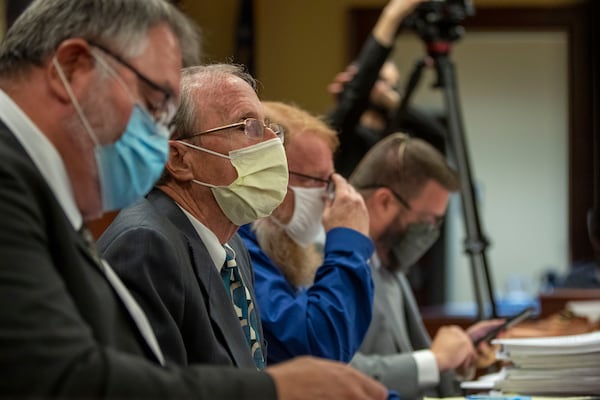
128,168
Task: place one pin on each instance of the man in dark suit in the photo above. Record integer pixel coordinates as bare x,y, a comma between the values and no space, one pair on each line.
87,93
169,247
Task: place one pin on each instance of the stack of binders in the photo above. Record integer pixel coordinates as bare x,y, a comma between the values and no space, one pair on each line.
557,366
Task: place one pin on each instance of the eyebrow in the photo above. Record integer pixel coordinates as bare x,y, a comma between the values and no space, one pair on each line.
166,90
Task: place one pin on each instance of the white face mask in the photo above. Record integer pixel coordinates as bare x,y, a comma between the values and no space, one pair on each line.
260,186
304,226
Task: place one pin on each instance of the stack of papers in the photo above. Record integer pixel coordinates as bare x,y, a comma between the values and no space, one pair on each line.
559,365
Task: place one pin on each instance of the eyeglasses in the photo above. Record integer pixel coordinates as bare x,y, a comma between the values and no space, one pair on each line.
251,127
329,184
434,220
162,111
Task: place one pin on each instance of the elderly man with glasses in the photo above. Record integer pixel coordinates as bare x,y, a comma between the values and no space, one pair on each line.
177,249
312,303
87,91
406,185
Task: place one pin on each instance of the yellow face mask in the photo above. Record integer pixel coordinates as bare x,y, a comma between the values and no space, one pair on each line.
261,183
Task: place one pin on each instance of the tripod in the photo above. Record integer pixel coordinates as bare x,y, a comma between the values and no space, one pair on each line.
475,243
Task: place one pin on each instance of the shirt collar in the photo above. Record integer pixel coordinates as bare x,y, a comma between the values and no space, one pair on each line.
44,155
210,240
375,261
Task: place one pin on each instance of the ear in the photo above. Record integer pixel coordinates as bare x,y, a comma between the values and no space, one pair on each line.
77,65
384,204
179,164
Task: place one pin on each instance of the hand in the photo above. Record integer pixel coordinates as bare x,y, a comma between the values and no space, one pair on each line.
341,79
392,15
481,328
384,95
452,348
317,379
347,210
486,355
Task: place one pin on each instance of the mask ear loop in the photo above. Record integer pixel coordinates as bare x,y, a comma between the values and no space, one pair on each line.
214,153
111,71
75,102
114,74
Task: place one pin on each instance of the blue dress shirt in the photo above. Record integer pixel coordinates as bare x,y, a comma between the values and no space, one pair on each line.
328,319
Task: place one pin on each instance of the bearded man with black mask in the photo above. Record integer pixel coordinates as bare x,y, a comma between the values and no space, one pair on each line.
406,184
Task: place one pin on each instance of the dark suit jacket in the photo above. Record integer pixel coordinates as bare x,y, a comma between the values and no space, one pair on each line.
158,254
63,330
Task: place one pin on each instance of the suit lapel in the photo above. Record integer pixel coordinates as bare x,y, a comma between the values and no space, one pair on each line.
220,308
137,315
392,302
416,329
420,337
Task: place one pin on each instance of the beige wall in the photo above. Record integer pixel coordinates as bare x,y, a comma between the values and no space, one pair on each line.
300,44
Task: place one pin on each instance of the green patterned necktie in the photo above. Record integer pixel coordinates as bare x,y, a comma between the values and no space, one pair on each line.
244,307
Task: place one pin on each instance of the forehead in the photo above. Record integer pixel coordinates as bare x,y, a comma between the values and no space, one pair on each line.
432,199
226,100
309,154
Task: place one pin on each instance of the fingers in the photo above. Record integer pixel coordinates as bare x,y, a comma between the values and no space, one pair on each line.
317,379
452,347
347,210
341,79
371,388
384,95
481,328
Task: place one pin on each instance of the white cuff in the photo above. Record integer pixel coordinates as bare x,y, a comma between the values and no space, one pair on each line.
429,375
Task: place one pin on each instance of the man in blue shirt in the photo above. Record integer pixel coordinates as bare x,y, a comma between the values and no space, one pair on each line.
311,303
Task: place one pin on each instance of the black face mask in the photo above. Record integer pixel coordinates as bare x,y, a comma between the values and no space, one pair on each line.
410,246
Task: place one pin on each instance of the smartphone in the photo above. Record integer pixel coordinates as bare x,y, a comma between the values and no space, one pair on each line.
510,321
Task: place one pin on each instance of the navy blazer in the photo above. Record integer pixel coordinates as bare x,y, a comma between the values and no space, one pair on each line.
63,330
158,254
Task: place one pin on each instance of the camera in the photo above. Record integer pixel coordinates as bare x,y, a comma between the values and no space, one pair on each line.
439,19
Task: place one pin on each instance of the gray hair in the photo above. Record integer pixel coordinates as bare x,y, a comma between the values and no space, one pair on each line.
203,82
118,24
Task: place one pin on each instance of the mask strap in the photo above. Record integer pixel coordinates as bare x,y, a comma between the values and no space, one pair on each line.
114,74
204,184
214,153
83,119
256,147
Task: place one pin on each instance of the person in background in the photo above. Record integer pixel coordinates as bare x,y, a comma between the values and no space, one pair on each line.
88,91
367,95
406,184
226,167
311,303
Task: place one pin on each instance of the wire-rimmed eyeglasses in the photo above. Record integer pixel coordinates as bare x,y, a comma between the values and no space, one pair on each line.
252,128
